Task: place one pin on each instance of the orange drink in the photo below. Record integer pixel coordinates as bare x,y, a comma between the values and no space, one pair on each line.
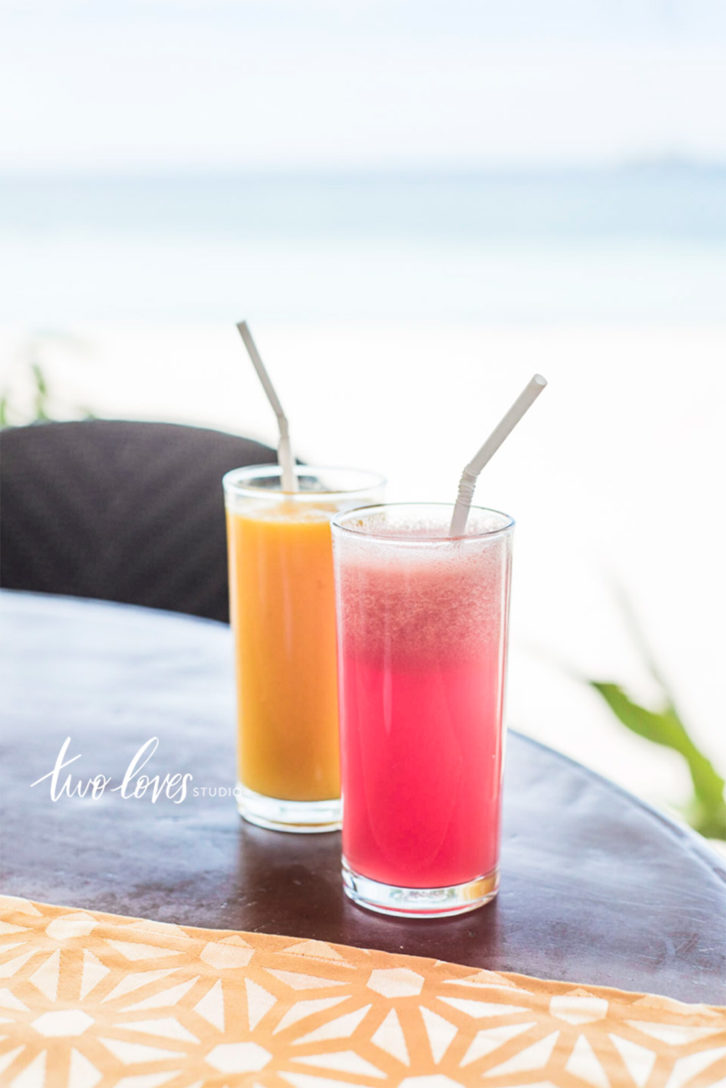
282,608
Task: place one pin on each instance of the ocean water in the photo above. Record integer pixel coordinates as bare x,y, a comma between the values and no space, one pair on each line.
633,244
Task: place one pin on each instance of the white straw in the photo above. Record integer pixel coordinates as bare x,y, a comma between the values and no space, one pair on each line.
284,450
467,483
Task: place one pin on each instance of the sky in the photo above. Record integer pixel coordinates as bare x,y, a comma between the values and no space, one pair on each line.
138,85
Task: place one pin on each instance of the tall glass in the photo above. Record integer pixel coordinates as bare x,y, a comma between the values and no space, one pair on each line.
422,647
282,610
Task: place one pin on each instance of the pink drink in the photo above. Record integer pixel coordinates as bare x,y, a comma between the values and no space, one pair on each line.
422,641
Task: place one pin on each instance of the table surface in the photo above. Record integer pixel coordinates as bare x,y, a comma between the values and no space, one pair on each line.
596,886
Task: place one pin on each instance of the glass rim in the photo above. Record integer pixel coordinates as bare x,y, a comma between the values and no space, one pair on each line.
237,481
338,522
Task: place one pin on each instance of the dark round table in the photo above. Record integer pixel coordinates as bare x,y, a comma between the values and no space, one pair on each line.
596,887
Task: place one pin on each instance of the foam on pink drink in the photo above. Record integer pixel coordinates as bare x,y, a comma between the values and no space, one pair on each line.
421,660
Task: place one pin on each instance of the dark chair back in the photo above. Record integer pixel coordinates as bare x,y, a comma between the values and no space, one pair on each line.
119,510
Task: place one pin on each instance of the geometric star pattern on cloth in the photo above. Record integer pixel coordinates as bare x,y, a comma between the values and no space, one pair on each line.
91,1000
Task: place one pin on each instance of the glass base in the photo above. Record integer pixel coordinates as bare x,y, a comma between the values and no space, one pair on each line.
301,817
419,902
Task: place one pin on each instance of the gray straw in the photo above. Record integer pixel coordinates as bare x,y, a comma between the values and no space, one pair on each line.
467,483
284,450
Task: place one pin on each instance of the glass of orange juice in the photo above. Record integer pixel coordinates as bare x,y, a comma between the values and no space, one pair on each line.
282,610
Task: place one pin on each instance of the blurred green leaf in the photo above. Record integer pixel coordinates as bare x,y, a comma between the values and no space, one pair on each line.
44,404
41,393
711,823
41,384
708,810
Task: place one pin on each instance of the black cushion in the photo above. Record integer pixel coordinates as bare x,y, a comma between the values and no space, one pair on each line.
119,510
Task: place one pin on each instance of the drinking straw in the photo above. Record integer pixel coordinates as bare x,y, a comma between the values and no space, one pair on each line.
284,450
507,423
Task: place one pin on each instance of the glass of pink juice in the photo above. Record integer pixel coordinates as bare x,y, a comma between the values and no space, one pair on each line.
422,643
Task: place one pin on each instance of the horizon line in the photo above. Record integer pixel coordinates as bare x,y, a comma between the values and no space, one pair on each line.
140,171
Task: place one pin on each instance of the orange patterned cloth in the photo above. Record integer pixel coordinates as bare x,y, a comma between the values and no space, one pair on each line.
91,1000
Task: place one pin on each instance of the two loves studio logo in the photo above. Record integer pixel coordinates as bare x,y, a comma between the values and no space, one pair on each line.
136,782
